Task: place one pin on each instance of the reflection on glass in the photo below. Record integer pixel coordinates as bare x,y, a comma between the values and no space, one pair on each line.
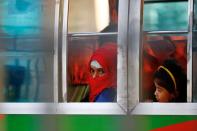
92,15
26,79
165,16
164,69
26,25
20,17
26,44
91,70
195,16
26,50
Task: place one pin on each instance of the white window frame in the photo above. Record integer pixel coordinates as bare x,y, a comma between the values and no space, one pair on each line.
119,107
140,108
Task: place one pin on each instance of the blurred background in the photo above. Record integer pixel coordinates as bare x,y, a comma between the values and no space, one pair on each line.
26,50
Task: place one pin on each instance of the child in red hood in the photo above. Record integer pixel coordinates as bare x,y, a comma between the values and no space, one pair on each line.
103,74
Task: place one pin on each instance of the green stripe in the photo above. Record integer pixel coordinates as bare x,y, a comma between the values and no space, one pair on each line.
89,122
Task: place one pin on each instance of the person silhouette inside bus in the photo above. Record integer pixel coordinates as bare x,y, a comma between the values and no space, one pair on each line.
170,82
103,74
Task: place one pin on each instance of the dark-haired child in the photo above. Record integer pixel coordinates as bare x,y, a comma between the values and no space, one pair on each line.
170,82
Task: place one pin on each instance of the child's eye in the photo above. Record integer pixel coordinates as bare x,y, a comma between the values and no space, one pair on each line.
101,71
159,90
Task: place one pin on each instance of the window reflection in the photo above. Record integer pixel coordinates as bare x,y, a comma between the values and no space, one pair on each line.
195,16
20,17
26,38
165,16
25,79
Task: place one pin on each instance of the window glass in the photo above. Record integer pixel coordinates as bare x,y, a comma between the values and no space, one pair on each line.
164,68
195,16
92,15
194,55
91,69
194,64
165,16
26,50
92,59
26,78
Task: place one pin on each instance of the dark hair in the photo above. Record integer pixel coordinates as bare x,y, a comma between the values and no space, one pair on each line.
179,87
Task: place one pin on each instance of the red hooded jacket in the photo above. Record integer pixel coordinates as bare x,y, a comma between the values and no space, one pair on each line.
106,56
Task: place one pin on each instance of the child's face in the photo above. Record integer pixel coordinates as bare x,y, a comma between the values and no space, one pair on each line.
96,72
161,94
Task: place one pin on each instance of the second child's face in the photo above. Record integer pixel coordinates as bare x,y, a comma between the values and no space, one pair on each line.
161,94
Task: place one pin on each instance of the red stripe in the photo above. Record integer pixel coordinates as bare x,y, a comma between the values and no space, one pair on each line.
185,126
1,117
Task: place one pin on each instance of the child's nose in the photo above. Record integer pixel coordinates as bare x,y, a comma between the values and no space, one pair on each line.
155,93
94,74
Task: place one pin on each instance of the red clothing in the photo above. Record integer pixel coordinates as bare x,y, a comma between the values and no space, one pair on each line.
106,56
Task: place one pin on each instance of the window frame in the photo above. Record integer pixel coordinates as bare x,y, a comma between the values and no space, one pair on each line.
141,108
119,107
